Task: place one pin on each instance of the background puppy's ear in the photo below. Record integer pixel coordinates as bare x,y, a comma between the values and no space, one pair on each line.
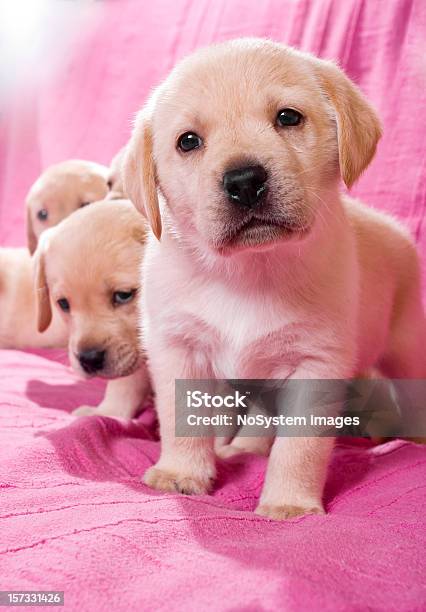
358,127
138,171
44,309
31,237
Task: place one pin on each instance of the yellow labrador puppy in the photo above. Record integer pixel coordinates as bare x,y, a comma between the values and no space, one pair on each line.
59,191
87,272
264,269
115,180
18,329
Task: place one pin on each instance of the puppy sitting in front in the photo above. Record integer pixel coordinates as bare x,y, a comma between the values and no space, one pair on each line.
264,270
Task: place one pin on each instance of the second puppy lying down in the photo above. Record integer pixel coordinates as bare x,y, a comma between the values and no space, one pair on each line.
17,309
87,268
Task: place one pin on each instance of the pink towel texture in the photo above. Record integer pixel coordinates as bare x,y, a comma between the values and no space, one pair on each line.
74,514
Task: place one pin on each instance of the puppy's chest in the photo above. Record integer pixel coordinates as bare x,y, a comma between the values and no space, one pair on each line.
233,338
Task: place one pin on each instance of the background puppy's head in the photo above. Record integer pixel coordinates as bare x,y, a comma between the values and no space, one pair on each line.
115,179
59,191
244,140
88,267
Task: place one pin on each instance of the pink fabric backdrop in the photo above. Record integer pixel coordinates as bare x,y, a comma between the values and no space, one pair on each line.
74,514
93,69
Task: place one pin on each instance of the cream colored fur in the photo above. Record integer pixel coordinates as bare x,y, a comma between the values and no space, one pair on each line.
333,297
60,190
86,259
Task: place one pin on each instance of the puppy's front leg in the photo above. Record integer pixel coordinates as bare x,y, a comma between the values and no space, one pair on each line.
295,477
186,465
297,466
123,396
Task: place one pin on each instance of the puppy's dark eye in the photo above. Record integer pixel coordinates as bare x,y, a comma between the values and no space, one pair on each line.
109,184
288,117
83,204
123,297
63,304
42,214
189,141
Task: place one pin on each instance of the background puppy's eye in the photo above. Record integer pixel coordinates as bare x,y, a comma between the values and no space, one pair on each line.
288,117
42,214
123,297
109,184
63,304
83,204
189,141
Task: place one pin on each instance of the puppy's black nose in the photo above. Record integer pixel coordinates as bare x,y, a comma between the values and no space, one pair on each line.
92,360
245,186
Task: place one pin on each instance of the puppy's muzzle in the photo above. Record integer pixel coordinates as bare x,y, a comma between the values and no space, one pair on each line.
92,360
246,187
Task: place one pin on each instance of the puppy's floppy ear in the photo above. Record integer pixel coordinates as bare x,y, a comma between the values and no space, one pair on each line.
138,171
358,127
31,237
44,309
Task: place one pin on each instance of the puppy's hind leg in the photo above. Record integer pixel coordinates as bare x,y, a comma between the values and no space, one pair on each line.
405,356
123,396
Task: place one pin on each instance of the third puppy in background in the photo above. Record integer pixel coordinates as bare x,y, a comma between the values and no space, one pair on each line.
264,269
60,190
115,178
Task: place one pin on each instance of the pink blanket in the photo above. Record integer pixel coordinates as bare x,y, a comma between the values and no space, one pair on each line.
74,513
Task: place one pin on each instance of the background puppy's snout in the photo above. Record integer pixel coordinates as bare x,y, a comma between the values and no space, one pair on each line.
245,186
92,360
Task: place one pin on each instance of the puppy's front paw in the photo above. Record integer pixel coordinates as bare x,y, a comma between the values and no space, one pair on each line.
99,411
164,480
282,513
256,446
85,411
227,450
